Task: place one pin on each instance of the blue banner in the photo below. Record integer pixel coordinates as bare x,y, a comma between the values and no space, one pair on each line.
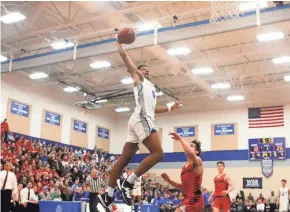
224,129
103,133
80,126
253,182
52,118
60,206
19,109
267,148
186,131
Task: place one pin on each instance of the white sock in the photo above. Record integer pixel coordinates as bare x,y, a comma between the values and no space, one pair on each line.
132,178
110,191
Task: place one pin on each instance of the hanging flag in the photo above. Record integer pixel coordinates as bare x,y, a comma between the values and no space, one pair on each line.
260,117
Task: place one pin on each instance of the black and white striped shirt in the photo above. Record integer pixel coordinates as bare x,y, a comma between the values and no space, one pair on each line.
95,184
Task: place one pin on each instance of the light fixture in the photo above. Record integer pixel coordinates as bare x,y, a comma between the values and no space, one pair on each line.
12,17
122,109
221,85
159,93
85,94
252,5
101,101
3,58
127,81
287,78
100,64
235,98
62,44
147,26
38,75
71,89
270,36
178,51
279,60
201,71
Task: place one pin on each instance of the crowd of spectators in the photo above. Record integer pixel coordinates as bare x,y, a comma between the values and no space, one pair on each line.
58,172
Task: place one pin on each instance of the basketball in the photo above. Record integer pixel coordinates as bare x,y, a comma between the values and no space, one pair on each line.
127,36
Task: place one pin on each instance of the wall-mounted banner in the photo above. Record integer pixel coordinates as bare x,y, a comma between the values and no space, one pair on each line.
224,129
19,109
103,133
80,126
253,182
267,167
186,131
52,118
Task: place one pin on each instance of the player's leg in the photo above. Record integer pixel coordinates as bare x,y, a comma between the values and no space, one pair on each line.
215,209
133,203
129,150
139,202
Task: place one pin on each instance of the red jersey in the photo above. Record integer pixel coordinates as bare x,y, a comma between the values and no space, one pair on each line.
220,184
191,186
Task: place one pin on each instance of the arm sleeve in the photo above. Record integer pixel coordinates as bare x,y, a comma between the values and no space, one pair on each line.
14,185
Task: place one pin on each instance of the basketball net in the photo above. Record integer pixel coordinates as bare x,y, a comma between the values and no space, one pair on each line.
223,11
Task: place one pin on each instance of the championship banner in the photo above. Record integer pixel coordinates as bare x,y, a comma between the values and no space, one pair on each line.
253,182
267,167
186,131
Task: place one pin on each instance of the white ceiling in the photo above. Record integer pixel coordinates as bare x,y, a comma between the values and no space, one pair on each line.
236,56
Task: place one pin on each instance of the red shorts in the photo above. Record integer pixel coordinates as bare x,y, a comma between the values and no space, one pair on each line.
188,206
223,203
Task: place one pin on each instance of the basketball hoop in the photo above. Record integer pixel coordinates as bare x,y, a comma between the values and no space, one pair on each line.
223,11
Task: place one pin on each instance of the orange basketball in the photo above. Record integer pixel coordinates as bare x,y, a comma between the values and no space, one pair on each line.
126,36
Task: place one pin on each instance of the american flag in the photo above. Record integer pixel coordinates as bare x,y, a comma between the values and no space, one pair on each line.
260,117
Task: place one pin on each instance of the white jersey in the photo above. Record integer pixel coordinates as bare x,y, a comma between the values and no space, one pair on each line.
284,199
138,183
145,98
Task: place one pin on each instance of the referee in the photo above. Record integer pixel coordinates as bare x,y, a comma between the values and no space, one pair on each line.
8,185
96,183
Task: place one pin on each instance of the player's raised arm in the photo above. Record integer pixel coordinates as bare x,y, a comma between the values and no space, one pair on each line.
187,148
131,67
171,182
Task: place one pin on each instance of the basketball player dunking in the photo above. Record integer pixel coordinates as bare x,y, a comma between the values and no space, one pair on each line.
283,197
223,186
140,129
191,177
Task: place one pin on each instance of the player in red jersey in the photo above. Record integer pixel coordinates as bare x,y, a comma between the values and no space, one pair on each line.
223,186
191,177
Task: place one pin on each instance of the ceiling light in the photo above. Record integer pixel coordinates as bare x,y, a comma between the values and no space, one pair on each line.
178,51
159,93
122,109
38,75
62,44
100,64
12,17
235,98
201,71
270,36
287,78
252,5
279,60
148,26
127,81
71,89
101,101
2,58
221,85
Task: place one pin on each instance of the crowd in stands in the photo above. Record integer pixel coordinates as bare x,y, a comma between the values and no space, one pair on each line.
58,172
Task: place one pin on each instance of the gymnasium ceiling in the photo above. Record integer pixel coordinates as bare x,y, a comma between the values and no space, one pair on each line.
235,55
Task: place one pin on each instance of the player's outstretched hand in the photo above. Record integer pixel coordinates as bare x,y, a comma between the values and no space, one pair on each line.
209,200
165,177
175,136
176,106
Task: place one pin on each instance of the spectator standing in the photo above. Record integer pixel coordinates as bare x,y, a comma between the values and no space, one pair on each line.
5,129
8,185
29,199
260,205
250,197
272,201
206,195
16,207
